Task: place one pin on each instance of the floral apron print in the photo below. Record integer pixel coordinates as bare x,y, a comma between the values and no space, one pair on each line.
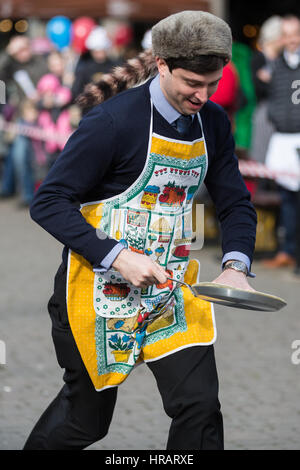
115,324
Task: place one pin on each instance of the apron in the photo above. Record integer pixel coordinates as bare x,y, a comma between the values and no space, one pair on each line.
115,324
283,157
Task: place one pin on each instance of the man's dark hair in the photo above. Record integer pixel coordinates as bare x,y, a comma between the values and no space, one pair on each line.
200,64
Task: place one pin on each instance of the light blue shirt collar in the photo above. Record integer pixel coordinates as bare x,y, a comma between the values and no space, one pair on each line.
161,103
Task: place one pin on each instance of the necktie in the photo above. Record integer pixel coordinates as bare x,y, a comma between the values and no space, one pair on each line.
183,124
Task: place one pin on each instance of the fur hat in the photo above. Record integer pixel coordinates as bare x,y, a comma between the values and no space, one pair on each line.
190,34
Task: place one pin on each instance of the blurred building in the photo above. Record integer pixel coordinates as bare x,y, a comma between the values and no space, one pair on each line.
244,21
29,16
136,10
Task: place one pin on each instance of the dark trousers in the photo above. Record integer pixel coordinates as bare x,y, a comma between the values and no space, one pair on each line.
79,415
288,220
298,232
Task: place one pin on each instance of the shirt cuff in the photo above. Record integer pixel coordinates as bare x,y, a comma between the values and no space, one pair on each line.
106,263
238,256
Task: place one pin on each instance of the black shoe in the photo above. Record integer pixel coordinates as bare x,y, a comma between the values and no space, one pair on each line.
4,196
297,271
23,205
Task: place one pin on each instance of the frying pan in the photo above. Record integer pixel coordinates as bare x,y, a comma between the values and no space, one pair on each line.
234,297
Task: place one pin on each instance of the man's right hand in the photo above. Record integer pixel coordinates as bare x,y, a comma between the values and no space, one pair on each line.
138,269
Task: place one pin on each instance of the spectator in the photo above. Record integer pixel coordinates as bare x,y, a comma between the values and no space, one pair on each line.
241,58
20,72
21,69
282,156
147,40
23,154
227,94
270,45
297,269
95,63
56,66
54,114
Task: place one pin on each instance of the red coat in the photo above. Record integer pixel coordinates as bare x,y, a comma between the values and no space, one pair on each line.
227,92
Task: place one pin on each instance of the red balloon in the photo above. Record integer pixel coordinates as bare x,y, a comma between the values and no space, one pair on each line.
81,29
123,36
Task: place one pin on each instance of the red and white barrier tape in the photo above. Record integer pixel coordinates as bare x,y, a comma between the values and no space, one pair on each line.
253,169
248,168
33,132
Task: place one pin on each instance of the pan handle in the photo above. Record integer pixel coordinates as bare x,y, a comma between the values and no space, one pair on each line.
184,284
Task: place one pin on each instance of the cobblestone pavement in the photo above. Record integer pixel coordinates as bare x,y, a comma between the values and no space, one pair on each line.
259,384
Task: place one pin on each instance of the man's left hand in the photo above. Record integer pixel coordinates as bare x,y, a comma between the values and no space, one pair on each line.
233,278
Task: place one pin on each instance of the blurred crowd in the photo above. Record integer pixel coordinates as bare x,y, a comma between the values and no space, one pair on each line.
260,91
276,126
42,83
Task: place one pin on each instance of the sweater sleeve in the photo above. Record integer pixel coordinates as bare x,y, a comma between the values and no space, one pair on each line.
81,166
229,194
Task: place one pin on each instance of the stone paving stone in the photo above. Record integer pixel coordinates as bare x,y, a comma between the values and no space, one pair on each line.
259,385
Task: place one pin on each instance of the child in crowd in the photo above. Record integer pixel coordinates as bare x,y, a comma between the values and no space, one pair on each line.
22,151
54,116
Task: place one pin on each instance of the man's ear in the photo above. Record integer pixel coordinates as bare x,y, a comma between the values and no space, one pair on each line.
161,65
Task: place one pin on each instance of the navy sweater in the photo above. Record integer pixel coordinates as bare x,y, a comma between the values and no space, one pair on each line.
107,153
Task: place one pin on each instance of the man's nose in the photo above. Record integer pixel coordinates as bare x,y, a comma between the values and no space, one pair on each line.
202,94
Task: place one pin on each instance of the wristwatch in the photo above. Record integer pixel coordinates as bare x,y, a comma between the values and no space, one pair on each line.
237,266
